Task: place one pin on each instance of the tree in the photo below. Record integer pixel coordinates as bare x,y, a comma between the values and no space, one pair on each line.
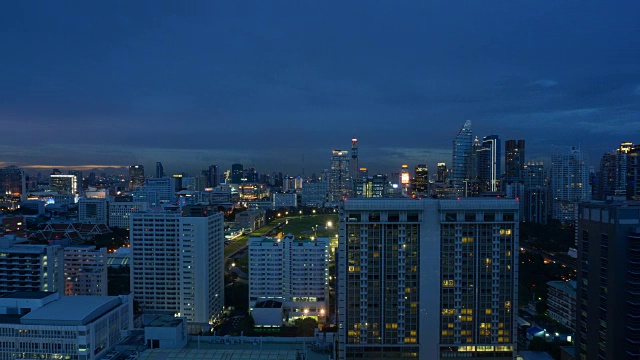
306,326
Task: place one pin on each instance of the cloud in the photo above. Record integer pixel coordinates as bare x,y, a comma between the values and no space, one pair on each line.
547,83
637,91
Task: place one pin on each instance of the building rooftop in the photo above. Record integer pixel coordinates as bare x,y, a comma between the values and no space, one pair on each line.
28,295
71,310
165,321
568,287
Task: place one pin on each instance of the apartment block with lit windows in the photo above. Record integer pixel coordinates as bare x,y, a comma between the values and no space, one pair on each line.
428,279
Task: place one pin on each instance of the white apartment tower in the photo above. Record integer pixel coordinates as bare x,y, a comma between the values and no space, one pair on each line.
293,271
427,279
177,262
85,270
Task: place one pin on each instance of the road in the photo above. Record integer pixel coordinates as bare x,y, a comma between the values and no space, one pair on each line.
550,256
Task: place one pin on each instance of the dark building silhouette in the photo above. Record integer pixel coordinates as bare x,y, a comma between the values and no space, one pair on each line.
514,158
136,176
236,173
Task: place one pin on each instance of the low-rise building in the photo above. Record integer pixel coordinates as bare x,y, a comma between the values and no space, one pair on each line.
561,302
45,325
251,219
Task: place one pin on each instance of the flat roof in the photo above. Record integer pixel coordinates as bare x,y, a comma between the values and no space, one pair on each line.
28,295
165,321
71,310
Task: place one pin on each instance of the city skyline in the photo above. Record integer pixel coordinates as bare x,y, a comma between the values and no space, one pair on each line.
267,85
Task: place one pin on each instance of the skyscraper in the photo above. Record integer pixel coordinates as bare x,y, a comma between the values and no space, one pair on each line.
428,279
136,176
612,177
177,262
236,173
442,172
460,170
489,164
339,179
12,181
608,293
214,177
536,193
353,165
421,179
159,170
569,184
514,158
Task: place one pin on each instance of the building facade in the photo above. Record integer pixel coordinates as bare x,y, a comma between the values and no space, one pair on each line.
608,292
85,270
427,279
339,177
514,158
569,184
93,211
292,271
31,268
44,325
177,262
461,160
136,176
561,302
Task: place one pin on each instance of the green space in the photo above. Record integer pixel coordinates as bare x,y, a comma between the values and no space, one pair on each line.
241,241
304,227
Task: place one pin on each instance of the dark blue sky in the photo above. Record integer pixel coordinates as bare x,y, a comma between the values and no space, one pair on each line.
264,83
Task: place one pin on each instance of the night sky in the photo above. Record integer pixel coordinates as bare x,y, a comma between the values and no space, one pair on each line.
269,83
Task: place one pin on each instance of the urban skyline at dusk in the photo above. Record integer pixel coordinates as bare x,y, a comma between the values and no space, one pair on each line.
266,84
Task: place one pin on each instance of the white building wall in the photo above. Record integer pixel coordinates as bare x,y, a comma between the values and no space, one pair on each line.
120,212
92,210
85,270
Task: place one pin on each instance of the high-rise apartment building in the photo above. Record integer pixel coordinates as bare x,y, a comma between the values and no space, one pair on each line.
428,279
569,184
293,271
608,293
12,181
136,176
461,160
155,192
31,268
514,158
85,270
633,173
237,171
339,178
120,212
613,175
177,262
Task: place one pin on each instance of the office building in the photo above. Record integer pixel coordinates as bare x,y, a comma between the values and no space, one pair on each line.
292,271
442,176
339,179
489,164
85,270
569,184
213,176
159,170
31,267
120,212
314,193
421,180
44,325
281,200
177,262
561,302
155,192
63,184
608,278
93,211
461,160
237,172
136,176
12,182
428,279
354,168
514,159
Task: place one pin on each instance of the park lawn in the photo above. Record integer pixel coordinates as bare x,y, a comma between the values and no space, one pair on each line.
301,226
241,241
